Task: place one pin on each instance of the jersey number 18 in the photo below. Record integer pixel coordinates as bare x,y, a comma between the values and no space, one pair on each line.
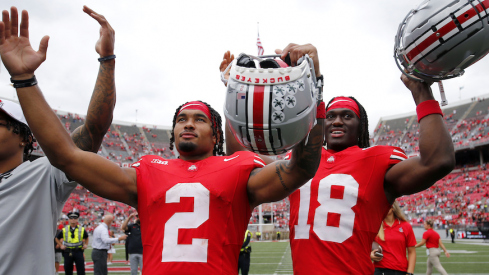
337,194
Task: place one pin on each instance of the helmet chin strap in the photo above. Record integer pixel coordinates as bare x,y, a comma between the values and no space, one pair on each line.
444,101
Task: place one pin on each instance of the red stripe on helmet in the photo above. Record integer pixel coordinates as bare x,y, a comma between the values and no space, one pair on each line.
258,119
258,94
431,39
466,16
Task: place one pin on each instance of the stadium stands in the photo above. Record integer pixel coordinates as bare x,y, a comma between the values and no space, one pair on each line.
460,198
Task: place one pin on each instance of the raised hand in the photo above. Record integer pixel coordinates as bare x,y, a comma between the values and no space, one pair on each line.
105,44
15,48
226,60
420,90
298,51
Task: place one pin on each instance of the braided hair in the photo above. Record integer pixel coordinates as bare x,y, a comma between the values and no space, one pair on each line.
25,133
216,124
363,138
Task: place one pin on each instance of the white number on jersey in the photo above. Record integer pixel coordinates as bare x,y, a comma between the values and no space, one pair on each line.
197,251
337,194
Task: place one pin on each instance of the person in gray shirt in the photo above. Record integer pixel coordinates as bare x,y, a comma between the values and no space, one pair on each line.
32,193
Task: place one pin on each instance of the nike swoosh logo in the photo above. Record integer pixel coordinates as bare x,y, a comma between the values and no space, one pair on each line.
231,158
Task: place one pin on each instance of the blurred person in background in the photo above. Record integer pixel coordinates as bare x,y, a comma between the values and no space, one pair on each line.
111,251
433,241
101,244
134,242
395,236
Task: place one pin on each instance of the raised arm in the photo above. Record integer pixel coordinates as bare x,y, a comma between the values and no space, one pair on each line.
124,224
436,154
96,173
279,179
89,136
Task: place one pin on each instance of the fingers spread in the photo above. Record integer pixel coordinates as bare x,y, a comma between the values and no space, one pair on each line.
43,46
2,33
223,65
6,22
24,24
226,55
14,23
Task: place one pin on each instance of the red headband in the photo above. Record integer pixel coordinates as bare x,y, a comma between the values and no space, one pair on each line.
344,102
196,105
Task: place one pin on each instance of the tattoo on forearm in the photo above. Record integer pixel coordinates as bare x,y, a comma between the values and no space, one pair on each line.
282,167
89,136
81,137
308,156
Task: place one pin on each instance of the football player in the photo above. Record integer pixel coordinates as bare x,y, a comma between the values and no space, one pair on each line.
194,210
335,217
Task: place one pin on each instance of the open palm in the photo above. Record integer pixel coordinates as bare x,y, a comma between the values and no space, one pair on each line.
17,54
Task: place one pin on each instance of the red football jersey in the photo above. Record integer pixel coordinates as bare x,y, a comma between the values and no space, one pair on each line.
193,214
335,217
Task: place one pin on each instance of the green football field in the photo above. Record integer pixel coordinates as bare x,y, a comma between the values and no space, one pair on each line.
274,258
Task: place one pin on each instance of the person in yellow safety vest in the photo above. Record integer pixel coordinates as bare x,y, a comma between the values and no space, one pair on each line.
278,235
75,241
258,235
244,254
452,234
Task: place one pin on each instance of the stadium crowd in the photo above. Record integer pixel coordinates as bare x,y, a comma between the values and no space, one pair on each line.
461,198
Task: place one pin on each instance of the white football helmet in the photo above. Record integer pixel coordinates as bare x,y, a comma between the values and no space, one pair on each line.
270,107
441,38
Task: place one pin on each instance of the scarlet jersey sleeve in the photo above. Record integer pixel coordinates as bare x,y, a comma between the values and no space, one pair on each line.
397,156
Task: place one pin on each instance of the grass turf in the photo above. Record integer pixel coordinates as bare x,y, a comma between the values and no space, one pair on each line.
274,258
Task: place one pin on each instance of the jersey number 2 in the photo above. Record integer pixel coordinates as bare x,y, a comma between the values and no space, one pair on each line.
197,251
337,194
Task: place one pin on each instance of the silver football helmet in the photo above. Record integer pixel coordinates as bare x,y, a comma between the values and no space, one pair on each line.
441,38
270,108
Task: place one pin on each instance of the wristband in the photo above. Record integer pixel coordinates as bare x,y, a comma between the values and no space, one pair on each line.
321,110
428,107
24,83
409,274
109,57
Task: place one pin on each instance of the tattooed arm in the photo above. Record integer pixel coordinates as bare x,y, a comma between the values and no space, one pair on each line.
89,136
279,179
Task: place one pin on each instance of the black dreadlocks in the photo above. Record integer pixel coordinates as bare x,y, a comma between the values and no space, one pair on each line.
216,124
25,132
363,138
